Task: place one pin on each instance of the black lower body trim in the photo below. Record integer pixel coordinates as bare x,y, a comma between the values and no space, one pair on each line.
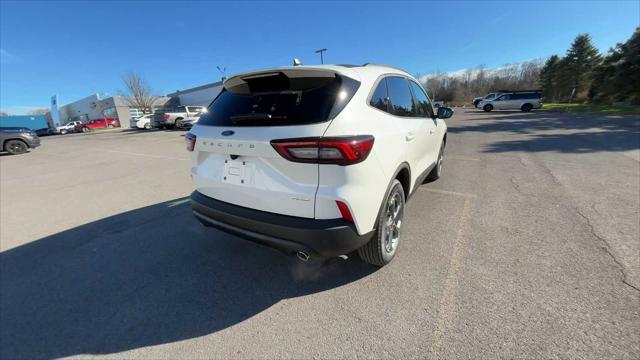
421,178
289,234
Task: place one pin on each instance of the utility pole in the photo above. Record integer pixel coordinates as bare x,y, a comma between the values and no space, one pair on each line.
320,51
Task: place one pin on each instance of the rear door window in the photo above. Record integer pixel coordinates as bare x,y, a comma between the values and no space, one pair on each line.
400,97
275,100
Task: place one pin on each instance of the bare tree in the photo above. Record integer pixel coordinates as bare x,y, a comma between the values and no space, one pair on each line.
138,92
41,111
461,87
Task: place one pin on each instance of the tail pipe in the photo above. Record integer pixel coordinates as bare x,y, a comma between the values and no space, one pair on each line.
303,256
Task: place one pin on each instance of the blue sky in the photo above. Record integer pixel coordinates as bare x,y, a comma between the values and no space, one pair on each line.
76,48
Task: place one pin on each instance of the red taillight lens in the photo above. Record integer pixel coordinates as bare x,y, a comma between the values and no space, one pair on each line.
190,140
335,150
166,117
344,211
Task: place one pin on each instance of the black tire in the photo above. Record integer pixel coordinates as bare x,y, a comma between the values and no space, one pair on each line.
109,126
147,126
437,170
85,129
381,249
15,147
526,107
488,107
62,132
178,123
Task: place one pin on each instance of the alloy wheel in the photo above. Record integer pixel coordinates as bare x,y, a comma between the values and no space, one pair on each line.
393,217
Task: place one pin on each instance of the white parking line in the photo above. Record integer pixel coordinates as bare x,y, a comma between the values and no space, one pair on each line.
458,157
447,303
446,192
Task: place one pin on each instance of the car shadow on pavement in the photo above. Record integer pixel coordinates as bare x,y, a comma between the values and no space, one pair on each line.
556,132
145,277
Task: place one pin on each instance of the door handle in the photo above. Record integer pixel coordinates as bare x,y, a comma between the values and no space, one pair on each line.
410,137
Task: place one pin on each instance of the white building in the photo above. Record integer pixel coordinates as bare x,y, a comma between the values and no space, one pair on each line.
198,96
94,107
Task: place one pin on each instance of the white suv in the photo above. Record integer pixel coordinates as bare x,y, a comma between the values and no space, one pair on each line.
316,160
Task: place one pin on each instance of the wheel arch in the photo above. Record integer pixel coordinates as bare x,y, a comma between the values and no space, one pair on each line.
4,143
402,174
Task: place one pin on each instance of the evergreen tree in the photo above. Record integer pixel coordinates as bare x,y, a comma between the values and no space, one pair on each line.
580,60
548,78
617,78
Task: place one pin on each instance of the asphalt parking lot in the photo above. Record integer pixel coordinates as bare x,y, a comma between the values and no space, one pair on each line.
528,247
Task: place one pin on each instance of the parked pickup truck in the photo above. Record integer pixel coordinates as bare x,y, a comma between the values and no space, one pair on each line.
180,117
68,127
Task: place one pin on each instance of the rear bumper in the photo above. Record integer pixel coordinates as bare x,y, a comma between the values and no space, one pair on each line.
289,234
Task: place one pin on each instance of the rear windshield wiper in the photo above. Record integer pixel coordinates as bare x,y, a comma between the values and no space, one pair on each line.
255,116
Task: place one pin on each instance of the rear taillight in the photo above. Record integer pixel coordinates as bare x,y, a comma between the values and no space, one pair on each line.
332,150
166,117
190,140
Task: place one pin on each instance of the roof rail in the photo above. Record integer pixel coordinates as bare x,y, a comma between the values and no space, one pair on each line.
517,91
389,66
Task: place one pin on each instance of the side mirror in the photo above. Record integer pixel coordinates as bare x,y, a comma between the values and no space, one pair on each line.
445,112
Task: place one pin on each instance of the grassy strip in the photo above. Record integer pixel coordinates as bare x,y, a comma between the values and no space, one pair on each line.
591,108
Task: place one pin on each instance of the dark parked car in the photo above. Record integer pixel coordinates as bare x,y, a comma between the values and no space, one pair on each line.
17,140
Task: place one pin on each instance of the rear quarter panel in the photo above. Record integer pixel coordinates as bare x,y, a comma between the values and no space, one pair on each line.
361,186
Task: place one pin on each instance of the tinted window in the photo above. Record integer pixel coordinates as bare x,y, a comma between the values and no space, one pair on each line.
400,97
525,96
283,101
379,98
504,97
424,108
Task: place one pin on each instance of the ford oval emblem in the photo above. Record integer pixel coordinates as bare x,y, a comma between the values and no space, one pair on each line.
228,133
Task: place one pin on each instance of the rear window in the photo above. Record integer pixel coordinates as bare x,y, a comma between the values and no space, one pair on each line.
273,100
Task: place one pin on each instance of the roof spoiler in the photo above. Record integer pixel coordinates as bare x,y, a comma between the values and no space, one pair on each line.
240,81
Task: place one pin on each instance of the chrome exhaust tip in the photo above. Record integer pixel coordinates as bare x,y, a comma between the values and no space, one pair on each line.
303,256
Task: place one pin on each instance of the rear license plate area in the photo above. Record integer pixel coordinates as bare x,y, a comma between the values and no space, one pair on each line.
238,172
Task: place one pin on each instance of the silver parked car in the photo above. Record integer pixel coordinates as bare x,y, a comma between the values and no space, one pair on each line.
524,101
